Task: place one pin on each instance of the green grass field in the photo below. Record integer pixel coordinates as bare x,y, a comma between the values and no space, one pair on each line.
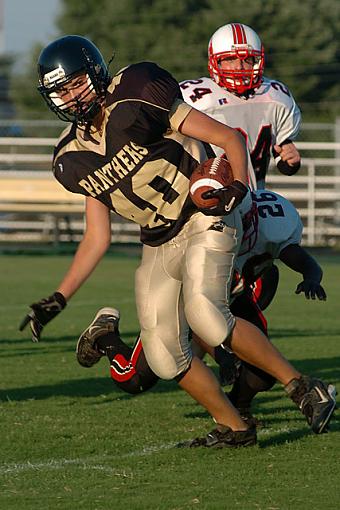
71,440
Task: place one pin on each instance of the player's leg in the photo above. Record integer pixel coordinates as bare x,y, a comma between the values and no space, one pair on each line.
266,286
165,332
205,306
208,266
128,367
250,380
315,399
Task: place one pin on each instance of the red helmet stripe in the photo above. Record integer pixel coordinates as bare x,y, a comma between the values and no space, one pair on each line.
239,33
244,34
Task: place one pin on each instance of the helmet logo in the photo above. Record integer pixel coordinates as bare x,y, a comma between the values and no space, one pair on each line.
54,76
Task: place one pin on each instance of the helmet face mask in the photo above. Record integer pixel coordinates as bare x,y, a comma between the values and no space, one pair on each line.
69,105
59,66
236,42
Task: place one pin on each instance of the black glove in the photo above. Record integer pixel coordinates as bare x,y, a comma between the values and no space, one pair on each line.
42,313
229,366
287,169
312,290
229,198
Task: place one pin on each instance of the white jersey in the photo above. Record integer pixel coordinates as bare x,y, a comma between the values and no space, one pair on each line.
268,117
279,225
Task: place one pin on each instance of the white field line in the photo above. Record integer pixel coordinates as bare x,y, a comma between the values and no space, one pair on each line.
61,464
81,463
86,464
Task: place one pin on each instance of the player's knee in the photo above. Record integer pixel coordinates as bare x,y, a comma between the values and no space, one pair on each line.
167,371
132,386
208,321
163,363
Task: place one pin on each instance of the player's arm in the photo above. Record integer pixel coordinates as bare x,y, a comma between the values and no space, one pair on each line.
298,259
202,127
95,242
288,115
93,246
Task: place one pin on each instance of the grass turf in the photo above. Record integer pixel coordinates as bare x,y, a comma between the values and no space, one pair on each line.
70,439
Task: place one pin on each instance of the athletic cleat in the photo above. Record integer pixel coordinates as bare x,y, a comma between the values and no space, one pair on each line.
223,437
106,321
315,400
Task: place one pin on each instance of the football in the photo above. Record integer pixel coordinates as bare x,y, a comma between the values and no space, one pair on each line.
214,173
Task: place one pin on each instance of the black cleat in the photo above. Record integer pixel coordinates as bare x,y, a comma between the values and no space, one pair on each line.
315,400
223,437
106,321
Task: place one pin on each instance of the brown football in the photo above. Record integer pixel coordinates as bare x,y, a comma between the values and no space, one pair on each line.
214,173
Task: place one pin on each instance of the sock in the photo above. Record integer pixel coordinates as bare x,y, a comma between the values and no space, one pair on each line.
111,344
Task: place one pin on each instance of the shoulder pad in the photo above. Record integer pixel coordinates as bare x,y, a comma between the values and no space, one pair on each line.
201,93
278,218
277,91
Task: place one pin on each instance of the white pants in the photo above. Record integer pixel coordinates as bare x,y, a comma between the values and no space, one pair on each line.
182,284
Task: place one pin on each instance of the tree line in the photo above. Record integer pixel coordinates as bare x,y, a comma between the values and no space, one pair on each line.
301,41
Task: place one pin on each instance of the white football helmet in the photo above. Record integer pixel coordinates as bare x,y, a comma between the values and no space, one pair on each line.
238,41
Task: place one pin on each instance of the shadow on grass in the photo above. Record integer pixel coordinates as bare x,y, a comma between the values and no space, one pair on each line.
79,388
54,341
279,437
277,333
130,336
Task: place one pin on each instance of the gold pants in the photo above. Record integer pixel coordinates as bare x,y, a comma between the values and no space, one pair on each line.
185,283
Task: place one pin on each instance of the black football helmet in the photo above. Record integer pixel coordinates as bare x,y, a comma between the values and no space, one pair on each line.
59,63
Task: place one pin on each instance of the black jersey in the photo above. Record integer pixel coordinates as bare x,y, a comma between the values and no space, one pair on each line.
139,166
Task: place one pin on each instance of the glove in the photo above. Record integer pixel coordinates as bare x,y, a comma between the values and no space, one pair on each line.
229,198
312,289
42,313
229,366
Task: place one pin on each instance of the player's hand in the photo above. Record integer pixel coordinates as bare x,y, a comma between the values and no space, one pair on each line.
288,153
312,290
43,312
229,198
287,158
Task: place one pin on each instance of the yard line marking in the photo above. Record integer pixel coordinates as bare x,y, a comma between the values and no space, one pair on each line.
149,450
86,462
82,463
59,464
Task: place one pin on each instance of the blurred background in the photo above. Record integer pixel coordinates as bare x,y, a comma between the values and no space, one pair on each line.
302,48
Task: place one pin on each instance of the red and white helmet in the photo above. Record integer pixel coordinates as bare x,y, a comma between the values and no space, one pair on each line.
238,41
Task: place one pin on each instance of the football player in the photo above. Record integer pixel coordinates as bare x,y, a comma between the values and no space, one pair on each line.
239,95
130,148
263,110
276,236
